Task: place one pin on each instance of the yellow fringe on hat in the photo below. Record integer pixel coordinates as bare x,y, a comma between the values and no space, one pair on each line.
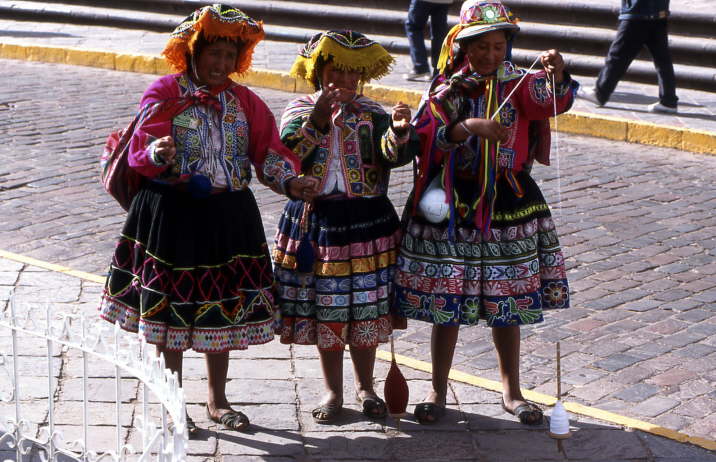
373,62
447,51
250,35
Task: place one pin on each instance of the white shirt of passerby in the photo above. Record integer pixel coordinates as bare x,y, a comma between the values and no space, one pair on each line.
438,1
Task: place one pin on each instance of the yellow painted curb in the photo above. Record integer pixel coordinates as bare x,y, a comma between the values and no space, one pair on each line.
548,400
613,128
51,266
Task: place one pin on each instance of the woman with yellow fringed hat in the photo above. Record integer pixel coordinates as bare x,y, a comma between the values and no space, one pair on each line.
192,268
479,239
335,255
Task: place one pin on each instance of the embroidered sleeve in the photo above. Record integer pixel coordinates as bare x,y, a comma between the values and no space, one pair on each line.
302,137
276,172
397,150
141,148
535,96
446,114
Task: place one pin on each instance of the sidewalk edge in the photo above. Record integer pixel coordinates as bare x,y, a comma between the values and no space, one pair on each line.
548,400
456,375
578,123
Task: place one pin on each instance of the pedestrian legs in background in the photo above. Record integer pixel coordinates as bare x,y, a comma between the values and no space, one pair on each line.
418,14
631,38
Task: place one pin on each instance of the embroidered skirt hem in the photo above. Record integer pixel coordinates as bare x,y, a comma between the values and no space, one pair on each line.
505,277
344,299
192,272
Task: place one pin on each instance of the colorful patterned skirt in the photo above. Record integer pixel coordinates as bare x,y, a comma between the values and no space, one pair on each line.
345,300
192,273
505,278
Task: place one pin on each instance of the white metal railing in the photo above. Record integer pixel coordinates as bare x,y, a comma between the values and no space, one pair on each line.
97,341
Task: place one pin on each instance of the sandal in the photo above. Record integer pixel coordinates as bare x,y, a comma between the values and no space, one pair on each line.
428,413
232,420
328,412
528,413
372,406
191,427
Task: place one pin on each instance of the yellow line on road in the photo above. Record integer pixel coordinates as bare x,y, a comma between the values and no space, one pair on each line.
51,266
577,123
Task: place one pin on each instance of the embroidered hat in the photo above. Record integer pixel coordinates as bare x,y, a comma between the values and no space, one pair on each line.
213,22
476,18
346,49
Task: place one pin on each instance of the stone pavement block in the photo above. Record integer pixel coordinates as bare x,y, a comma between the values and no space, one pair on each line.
273,416
467,394
654,406
259,369
695,350
355,446
637,393
32,411
513,446
583,376
695,315
616,362
672,377
259,443
665,448
594,391
431,445
694,388
100,414
99,390
594,443
99,437
261,391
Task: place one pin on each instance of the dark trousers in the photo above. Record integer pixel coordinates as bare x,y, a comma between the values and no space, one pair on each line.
418,14
631,38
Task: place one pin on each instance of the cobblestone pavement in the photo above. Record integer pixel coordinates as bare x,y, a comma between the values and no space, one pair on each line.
638,227
697,109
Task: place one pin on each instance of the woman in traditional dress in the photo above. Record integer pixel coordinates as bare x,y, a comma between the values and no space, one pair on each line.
192,268
334,256
487,247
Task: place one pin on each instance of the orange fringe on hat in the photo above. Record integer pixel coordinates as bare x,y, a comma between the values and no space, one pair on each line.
214,22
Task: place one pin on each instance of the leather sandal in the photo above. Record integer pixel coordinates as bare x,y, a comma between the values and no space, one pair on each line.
328,412
428,413
372,406
528,413
232,420
191,427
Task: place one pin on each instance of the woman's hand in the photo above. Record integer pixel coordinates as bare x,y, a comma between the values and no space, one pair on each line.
553,64
401,118
331,96
166,150
490,129
304,187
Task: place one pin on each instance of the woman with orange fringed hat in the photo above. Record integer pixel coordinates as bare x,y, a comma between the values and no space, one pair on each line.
479,239
191,268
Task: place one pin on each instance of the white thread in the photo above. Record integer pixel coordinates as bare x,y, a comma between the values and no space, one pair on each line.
556,149
516,87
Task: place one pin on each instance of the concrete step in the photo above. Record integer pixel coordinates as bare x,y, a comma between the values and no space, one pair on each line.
290,21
